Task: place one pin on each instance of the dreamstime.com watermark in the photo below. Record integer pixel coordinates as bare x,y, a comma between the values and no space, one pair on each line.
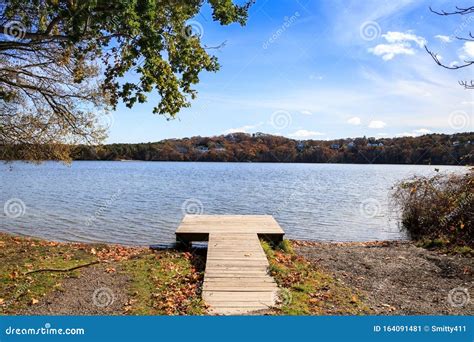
90,221
459,297
103,297
287,22
192,206
281,119
193,29
46,330
462,204
14,30
370,208
14,208
370,30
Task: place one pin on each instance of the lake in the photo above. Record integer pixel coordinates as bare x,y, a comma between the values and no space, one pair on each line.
141,203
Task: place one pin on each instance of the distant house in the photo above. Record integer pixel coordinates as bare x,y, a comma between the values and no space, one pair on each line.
300,146
335,146
258,135
374,144
351,145
202,149
456,143
182,149
230,137
219,148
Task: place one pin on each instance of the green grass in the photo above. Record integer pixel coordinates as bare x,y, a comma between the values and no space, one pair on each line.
308,290
20,255
165,283
443,245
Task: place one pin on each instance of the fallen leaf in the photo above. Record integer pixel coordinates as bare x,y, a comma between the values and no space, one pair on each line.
34,301
110,270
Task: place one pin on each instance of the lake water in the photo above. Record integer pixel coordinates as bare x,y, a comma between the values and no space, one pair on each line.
143,202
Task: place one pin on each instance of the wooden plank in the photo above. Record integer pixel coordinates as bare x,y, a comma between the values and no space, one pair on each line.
239,296
236,279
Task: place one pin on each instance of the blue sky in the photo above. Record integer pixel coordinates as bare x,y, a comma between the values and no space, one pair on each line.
323,70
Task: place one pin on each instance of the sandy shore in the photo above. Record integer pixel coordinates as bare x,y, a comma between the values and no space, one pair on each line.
399,278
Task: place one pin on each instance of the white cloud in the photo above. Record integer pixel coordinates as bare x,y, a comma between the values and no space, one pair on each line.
468,49
405,134
377,124
354,121
243,129
388,51
399,43
404,37
414,133
303,133
444,39
453,64
306,112
422,131
382,134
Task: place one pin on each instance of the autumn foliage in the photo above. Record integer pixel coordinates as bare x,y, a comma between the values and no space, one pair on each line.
439,208
242,147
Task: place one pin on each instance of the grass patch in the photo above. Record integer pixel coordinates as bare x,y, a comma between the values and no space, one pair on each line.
20,255
162,282
307,290
444,246
165,283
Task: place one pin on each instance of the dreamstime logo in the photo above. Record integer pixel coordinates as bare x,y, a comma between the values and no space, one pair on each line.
103,297
105,119
281,119
459,297
370,208
14,30
193,29
14,208
370,30
192,206
459,120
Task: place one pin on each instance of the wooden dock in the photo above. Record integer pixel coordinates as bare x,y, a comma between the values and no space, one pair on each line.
236,279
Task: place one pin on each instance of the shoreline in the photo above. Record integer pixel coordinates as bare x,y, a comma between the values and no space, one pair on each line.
164,245
229,162
42,277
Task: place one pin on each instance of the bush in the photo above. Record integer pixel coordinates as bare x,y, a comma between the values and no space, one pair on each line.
439,208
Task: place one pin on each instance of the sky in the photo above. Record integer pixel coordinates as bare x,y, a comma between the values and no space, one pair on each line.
323,70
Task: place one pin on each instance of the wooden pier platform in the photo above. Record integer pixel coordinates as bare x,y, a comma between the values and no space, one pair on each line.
236,279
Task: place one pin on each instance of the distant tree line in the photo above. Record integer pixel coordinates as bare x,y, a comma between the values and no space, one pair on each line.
241,147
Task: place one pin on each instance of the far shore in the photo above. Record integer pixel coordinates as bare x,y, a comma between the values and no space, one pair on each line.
377,277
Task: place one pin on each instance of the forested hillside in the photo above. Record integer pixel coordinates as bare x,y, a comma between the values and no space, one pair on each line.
241,147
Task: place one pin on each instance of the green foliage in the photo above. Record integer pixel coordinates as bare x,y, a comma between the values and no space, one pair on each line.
438,210
151,38
286,247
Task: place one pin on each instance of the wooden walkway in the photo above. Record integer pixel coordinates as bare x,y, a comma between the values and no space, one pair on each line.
236,279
